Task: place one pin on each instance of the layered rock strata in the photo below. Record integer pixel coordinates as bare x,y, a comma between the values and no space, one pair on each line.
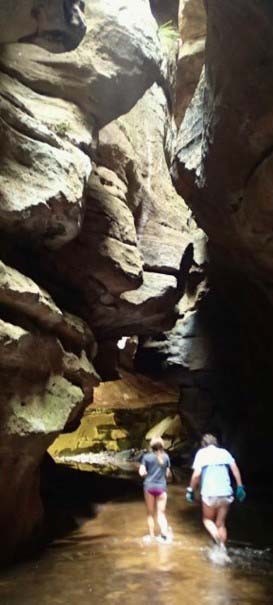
124,416
47,378
135,248
89,227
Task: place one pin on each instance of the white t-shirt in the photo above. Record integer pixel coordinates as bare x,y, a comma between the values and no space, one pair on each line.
213,462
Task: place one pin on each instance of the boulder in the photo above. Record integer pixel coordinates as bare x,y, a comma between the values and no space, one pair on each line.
169,427
53,24
120,51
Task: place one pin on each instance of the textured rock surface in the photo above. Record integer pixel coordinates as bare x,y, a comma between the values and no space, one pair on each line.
223,169
46,147
110,245
185,348
121,416
43,391
231,193
132,255
57,25
120,51
192,29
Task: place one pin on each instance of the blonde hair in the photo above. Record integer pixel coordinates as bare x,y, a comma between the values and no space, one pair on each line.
157,445
209,439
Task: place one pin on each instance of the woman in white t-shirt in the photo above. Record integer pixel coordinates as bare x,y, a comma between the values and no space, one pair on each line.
211,466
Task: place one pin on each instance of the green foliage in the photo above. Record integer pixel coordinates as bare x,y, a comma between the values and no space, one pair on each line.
61,128
168,33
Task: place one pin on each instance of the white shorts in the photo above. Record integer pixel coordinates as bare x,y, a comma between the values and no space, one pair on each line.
216,501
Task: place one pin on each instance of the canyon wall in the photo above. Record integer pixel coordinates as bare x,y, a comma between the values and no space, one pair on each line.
97,243
222,168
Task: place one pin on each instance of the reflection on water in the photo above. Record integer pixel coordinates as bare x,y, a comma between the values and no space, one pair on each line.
106,561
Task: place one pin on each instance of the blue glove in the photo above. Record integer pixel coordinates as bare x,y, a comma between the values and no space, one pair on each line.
190,495
240,493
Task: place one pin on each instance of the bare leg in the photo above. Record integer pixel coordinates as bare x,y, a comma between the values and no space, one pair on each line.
150,506
161,502
209,520
221,522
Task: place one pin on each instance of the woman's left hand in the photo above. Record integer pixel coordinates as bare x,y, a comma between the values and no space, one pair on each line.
142,470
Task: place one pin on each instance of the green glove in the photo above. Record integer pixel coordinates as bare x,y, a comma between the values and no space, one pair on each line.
240,493
190,495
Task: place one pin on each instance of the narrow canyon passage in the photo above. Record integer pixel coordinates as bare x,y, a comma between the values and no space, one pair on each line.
106,561
136,296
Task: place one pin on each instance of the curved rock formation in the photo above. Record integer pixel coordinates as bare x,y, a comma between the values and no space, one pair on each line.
57,25
92,228
47,378
123,417
132,255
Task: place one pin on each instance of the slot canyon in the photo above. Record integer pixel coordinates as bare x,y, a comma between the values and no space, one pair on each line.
136,286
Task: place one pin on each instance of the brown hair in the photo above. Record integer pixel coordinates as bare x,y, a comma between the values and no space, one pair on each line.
157,445
209,439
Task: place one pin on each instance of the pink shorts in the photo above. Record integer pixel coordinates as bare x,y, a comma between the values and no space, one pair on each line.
155,492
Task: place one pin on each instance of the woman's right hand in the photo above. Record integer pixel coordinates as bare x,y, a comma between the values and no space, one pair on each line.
240,493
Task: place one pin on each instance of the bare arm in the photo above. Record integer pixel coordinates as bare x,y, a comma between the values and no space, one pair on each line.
236,473
142,470
195,479
169,474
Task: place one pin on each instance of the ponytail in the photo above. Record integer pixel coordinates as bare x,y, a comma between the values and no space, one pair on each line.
159,455
157,445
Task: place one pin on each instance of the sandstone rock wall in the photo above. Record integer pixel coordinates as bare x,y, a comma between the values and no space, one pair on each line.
230,192
222,168
192,24
94,238
128,259
121,417
55,25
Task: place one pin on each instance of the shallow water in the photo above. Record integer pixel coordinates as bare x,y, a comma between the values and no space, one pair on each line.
106,561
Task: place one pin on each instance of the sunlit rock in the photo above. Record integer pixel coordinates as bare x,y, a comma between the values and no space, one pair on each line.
119,58
119,421
134,250
192,28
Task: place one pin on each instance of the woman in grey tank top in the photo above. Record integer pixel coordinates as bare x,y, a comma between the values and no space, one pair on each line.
154,469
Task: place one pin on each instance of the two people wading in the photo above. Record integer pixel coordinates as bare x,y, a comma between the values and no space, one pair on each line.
211,469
